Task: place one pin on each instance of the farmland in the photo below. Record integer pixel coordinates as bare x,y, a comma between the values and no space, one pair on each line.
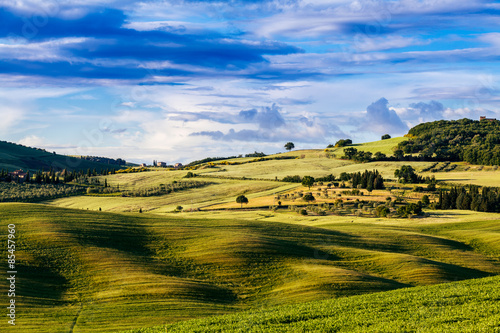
109,272
111,261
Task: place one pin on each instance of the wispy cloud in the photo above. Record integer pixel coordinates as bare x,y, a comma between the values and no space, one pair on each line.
183,78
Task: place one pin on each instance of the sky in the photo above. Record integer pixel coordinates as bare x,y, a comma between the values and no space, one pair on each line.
177,81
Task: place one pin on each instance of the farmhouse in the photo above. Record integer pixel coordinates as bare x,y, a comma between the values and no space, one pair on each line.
178,165
18,175
487,119
161,164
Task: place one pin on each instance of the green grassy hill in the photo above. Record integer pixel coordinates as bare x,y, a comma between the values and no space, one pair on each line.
469,306
104,272
13,157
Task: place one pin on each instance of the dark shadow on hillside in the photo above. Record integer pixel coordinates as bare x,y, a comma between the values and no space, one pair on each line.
43,284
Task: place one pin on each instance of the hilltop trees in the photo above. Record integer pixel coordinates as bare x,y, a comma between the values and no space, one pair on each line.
343,142
386,136
289,146
241,199
476,142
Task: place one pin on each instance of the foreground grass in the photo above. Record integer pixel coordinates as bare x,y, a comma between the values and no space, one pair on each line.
468,306
105,272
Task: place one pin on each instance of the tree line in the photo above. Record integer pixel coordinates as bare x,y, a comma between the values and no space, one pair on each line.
471,197
369,180
52,176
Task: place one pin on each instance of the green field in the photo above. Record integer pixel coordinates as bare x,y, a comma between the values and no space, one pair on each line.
469,306
104,272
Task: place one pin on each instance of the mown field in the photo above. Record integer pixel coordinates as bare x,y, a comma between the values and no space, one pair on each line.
86,271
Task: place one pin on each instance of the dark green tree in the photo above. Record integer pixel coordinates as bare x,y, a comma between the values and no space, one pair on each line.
289,146
241,199
308,181
308,197
386,136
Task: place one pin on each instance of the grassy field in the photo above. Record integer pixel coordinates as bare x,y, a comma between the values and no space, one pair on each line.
469,306
104,272
384,146
485,177
220,191
315,167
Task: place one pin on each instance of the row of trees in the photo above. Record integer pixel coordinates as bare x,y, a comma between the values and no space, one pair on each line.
12,192
368,179
165,189
471,197
54,177
105,160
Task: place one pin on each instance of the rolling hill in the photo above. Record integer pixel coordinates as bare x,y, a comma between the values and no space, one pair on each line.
14,156
102,272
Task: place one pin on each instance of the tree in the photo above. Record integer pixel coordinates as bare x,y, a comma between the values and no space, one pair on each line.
406,174
425,200
289,146
386,136
241,199
343,142
350,153
308,197
308,181
399,154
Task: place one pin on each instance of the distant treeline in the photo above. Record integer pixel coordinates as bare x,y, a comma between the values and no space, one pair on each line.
471,197
368,179
52,176
104,160
214,159
165,189
475,142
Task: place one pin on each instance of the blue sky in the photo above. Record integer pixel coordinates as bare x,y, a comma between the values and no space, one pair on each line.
181,80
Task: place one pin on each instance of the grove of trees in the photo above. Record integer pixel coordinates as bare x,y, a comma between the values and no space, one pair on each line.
472,141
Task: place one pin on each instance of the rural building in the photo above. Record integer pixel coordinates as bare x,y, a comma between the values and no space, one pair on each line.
487,119
161,164
18,174
178,165
143,165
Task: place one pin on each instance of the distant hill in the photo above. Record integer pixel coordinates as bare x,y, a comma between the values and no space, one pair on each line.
472,141
15,156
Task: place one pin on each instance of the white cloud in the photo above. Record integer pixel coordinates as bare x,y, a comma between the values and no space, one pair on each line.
32,141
